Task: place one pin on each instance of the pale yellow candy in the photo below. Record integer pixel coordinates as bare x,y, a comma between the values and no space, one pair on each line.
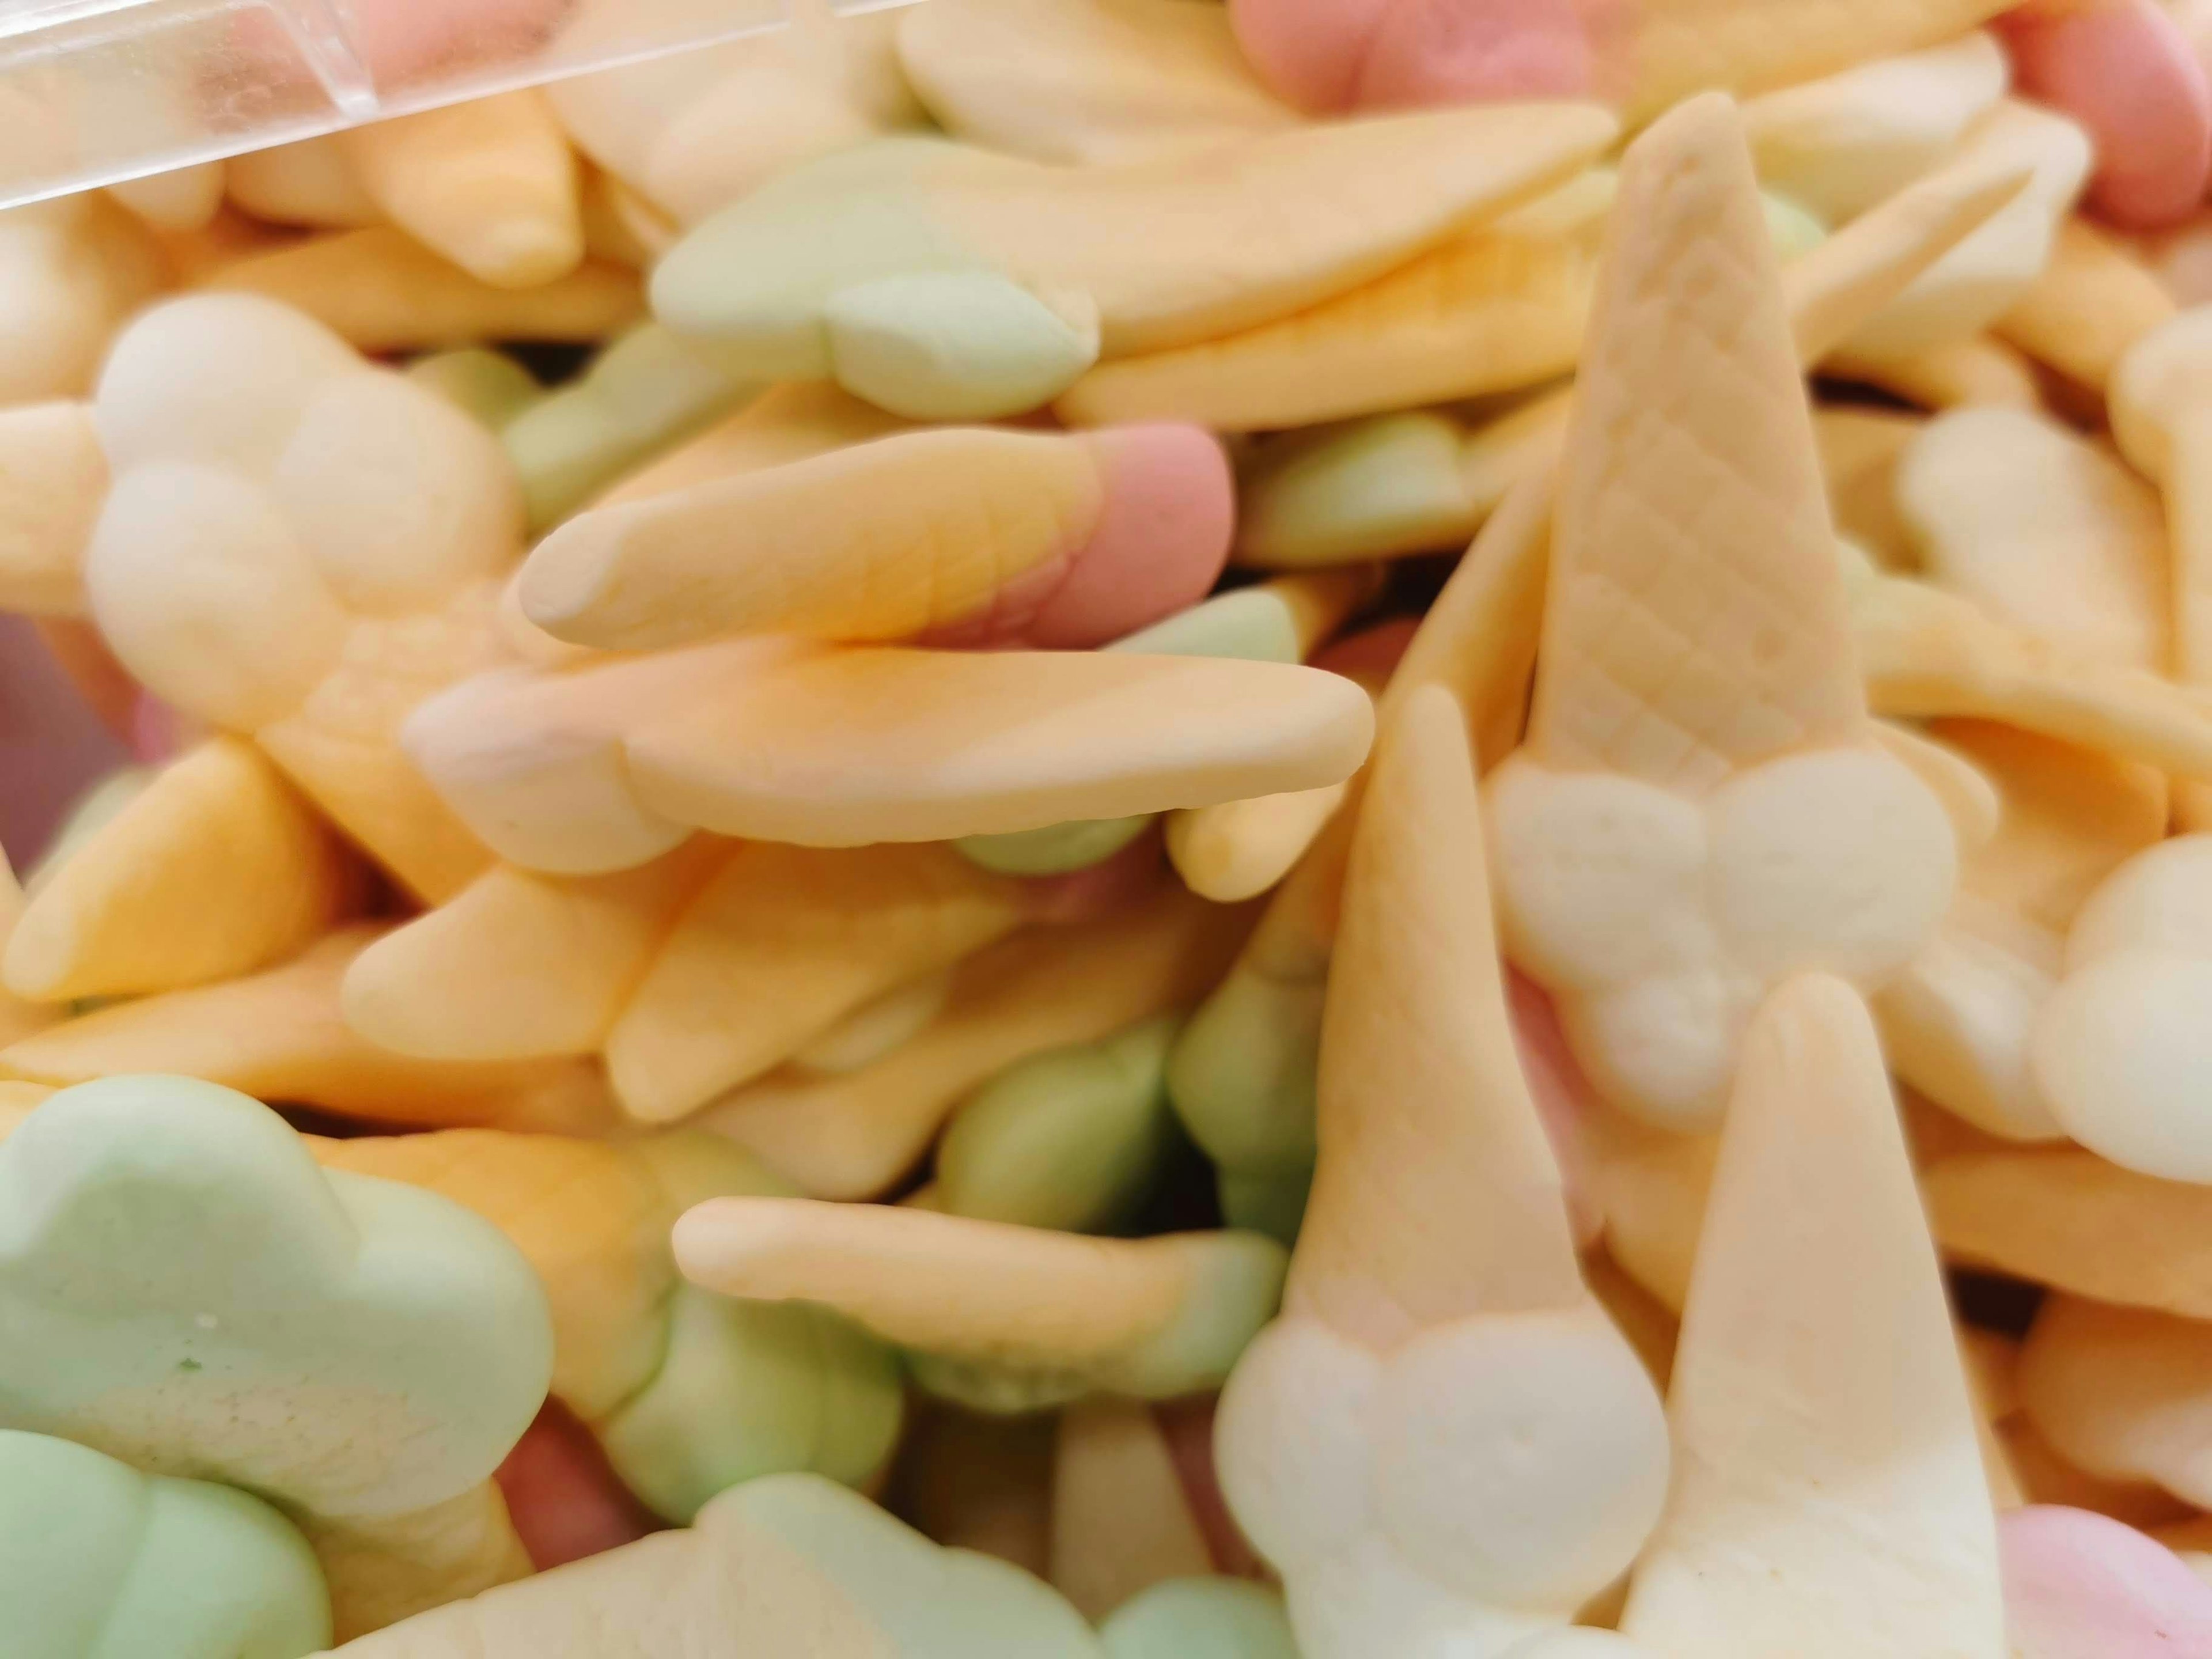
1975,283
695,130
1860,451
183,198
216,868
2087,309
1241,849
1120,1522
1829,1497
1434,1298
2122,1393
52,480
384,291
1651,1187
71,271
1969,373
1700,809
2040,529
1958,1023
840,747
788,422
1842,144
1086,81
311,181
279,1036
18,1019
490,183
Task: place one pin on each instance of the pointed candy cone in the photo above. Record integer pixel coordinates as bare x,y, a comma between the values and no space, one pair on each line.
279,1036
1829,1497
1696,623
1436,1193
216,869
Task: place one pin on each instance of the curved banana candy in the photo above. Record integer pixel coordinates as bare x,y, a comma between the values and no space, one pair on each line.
1434,1296
1700,808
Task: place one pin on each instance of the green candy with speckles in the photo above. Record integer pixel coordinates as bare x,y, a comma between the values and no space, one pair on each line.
817,1393
1070,1140
1200,1619
98,1561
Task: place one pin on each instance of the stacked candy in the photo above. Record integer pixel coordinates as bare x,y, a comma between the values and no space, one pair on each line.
906,971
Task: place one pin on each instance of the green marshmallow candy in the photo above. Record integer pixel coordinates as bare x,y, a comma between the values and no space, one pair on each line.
1200,1619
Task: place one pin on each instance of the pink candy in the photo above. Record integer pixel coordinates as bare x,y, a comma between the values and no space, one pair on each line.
2081,1586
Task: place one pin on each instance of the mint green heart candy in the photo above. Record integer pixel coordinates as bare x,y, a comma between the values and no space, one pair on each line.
98,1561
1251,625
750,1388
487,384
182,1287
1071,1139
1371,489
931,1602
1200,1619
647,392
1242,1079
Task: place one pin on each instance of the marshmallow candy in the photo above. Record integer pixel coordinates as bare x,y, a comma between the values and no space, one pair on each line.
1701,809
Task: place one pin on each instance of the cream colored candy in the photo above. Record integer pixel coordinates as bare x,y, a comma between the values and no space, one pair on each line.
1088,80
1975,283
383,291
1700,809
279,1034
71,271
1957,1023
851,1134
312,181
2087,309
819,275
52,480
1000,1317
2122,1393
603,768
1860,452
1964,373
2119,1049
694,131
1241,849
182,200
1435,1316
2041,529
490,183
1830,1498
1842,144
1120,1522
215,869
299,548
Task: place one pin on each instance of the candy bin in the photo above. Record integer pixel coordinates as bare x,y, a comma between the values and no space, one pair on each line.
1106,830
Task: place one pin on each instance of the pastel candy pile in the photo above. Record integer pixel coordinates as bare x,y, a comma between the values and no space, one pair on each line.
1127,829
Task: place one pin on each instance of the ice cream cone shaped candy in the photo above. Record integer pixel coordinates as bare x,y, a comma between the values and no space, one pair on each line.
686,1394
96,1558
1697,672
1828,1494
997,1317
1018,275
2084,312
2120,1392
2078,1584
281,1034
1434,1294
382,290
851,1130
1640,58
215,869
957,534
491,183
298,548
2040,530
1120,1522
1103,81
788,1564
1958,1024
192,1294
694,133
71,271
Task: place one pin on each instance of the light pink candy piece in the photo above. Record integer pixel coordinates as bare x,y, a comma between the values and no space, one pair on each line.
2125,72
2080,1585
565,1502
1110,887
1328,55
1157,547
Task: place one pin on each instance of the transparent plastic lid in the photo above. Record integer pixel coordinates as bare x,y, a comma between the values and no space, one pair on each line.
93,92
